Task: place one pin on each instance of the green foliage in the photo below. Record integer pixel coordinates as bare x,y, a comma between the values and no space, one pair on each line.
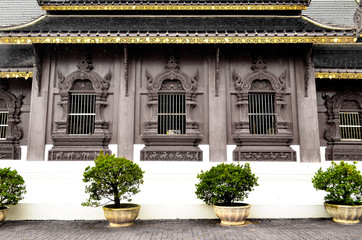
111,178
225,184
342,182
12,187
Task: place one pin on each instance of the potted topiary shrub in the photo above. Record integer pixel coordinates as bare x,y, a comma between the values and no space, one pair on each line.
113,179
12,189
343,183
223,186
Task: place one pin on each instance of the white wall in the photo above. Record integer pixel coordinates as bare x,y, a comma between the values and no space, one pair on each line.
55,190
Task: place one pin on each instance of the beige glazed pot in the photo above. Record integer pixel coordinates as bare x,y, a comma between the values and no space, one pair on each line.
3,212
232,215
121,217
344,214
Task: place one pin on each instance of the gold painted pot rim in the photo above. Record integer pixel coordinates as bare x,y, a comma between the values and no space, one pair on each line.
341,205
236,205
124,206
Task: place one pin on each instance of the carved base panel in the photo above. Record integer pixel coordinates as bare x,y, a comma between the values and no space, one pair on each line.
167,153
9,151
80,153
344,152
264,153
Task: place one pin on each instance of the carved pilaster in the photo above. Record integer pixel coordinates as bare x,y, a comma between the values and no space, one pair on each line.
38,63
125,52
217,71
308,62
357,19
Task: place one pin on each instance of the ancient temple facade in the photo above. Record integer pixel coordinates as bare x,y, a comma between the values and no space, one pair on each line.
179,86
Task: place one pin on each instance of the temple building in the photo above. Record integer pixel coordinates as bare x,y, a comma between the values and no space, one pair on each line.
179,86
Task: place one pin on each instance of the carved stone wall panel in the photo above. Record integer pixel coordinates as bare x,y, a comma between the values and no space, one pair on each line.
181,147
261,147
81,147
78,154
344,152
253,153
337,148
10,147
179,153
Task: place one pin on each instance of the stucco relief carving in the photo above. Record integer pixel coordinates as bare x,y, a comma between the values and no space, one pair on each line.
180,147
264,156
243,85
260,81
172,73
357,19
73,155
171,156
83,80
84,72
9,147
338,149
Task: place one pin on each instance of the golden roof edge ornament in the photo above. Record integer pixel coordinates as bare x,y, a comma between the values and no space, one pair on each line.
176,7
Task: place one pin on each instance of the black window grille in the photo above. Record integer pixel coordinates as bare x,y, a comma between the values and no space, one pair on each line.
261,114
171,114
82,113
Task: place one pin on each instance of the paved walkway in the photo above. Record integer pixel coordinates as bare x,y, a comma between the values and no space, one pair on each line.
268,229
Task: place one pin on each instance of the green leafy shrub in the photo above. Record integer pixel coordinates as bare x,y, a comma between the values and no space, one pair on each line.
225,183
12,187
111,178
342,182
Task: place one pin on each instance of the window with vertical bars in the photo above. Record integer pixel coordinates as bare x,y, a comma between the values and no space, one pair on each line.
171,114
261,114
350,125
82,112
3,124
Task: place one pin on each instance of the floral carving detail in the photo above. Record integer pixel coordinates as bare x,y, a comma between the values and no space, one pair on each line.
171,85
259,73
74,155
84,72
264,156
172,73
357,19
337,149
10,148
171,156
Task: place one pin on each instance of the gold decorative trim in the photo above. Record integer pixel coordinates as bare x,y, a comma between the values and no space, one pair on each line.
175,40
173,7
333,27
25,75
24,25
338,75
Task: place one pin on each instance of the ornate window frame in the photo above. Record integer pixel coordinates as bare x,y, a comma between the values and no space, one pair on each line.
338,149
177,147
10,147
261,147
81,147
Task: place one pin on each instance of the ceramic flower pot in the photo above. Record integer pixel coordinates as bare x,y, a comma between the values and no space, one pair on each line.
344,214
3,212
232,215
121,217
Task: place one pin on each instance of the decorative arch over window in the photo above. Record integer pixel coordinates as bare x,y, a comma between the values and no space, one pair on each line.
344,110
81,132
261,134
10,130
171,134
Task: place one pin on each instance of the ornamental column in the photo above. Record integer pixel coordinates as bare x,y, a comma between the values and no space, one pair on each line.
307,109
